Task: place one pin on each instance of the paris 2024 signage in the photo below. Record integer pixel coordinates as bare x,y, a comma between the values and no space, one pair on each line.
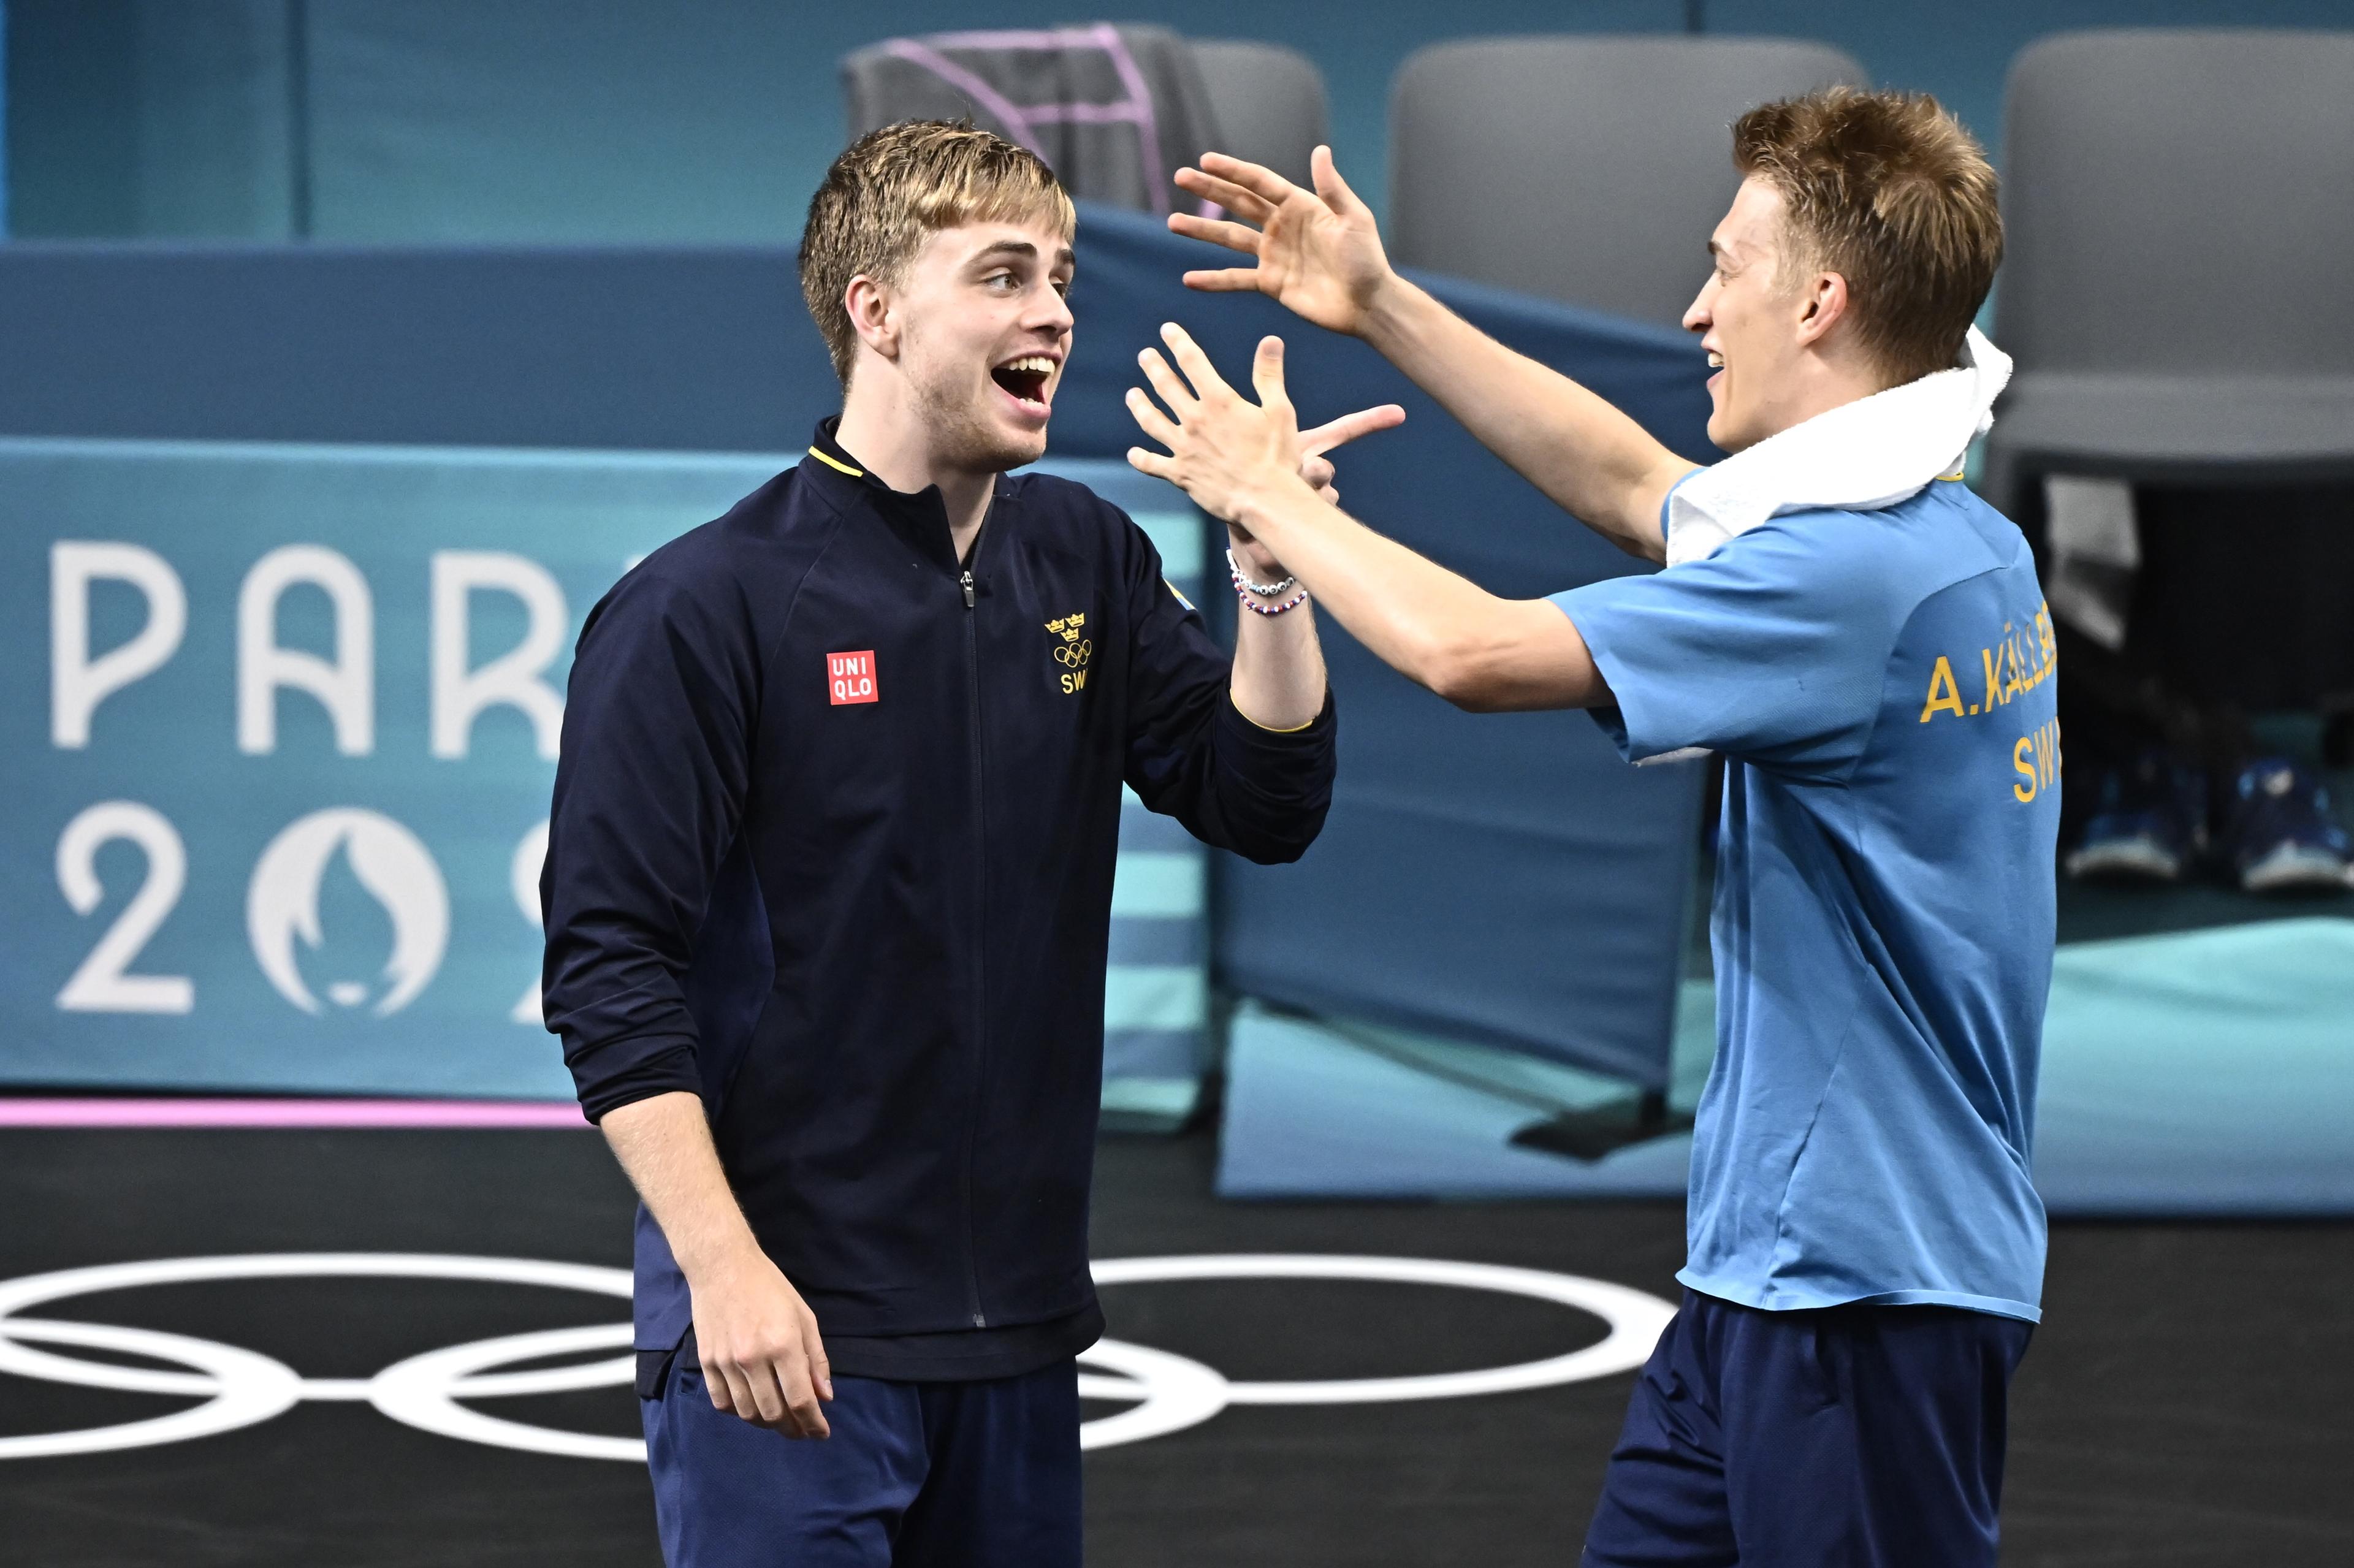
279,723
280,726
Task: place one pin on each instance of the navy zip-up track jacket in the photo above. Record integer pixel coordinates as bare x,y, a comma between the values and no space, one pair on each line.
832,846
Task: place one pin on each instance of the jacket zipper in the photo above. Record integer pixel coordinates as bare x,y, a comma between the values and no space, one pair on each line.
979,977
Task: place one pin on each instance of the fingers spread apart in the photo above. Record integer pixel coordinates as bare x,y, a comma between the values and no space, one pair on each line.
1256,179
1150,417
1205,376
1232,236
1241,203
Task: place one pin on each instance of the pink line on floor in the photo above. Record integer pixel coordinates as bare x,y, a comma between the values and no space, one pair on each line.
368,1113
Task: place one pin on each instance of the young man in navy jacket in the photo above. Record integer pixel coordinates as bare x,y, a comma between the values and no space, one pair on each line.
829,887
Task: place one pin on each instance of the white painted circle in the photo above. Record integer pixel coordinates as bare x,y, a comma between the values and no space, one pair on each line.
423,1391
1172,1392
244,1388
241,1388
1169,1393
1636,1319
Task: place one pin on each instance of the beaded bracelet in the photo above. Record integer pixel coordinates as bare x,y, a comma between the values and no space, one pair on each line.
1242,593
1266,590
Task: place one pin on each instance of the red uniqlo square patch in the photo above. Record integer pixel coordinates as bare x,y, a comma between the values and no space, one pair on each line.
850,677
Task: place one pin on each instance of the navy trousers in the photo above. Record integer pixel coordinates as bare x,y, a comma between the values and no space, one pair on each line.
1856,1436
916,1475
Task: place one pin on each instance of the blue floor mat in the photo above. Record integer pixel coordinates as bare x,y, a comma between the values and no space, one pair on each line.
2193,1072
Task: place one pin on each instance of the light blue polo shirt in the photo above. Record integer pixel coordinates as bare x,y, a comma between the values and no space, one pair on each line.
1881,684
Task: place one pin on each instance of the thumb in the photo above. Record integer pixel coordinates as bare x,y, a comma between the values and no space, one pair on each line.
1267,373
1348,426
821,1365
1331,186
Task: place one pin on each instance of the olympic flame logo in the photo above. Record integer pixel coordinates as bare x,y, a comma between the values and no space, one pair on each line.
283,904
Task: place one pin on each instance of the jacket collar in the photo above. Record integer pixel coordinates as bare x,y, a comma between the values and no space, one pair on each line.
922,519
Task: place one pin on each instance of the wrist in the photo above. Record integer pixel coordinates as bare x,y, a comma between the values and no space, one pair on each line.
1387,310
720,1258
1258,504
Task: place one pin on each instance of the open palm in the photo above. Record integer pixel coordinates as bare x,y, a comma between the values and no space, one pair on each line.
1319,252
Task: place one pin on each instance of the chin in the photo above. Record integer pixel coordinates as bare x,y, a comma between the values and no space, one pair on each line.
1023,448
1727,436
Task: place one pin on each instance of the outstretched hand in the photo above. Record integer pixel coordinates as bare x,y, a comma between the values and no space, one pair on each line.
1223,449
1319,252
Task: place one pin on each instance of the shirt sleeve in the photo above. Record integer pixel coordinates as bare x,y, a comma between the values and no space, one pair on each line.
1772,650
1192,754
650,790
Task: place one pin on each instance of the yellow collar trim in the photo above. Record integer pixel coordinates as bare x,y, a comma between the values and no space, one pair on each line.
837,465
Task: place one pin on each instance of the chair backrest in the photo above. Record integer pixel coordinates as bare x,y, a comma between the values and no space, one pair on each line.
1114,110
1588,170
2180,202
1268,102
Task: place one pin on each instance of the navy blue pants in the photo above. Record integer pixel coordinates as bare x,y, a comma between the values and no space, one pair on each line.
1853,1437
916,1475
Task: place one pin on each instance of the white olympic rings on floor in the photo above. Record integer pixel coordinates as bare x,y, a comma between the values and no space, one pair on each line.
1167,1393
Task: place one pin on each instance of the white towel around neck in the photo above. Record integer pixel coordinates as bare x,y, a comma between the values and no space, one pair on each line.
1859,457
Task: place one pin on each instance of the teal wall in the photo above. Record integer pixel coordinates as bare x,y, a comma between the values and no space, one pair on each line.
711,120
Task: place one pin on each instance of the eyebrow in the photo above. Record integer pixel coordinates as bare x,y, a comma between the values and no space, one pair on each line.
1022,248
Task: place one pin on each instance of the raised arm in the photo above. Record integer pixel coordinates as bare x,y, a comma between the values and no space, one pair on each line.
1234,459
1318,253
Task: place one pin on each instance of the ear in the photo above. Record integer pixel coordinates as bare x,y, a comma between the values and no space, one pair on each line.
869,306
1822,305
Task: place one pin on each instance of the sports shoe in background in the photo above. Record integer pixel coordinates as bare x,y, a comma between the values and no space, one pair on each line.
2151,824
2279,831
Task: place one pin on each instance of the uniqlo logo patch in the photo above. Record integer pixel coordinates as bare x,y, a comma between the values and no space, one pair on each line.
850,677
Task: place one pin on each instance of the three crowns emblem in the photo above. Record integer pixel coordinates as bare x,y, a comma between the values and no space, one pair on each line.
1072,652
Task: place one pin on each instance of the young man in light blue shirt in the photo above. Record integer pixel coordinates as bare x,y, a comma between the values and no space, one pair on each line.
1865,640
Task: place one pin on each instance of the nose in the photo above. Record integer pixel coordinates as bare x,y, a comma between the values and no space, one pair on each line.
1053,317
1701,314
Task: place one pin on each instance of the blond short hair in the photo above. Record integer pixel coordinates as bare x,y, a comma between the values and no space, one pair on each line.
893,189
1887,190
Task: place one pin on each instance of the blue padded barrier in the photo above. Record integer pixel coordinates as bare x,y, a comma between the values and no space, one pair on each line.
1498,878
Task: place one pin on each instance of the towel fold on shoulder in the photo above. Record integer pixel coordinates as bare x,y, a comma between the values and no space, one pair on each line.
1859,457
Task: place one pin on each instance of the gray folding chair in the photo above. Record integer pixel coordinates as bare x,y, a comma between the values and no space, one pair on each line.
1589,170
1268,102
2179,208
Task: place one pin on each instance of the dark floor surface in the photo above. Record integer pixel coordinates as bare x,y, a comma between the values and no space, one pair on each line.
2190,1402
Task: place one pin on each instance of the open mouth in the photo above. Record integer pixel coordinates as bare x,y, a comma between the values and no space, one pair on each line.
1024,379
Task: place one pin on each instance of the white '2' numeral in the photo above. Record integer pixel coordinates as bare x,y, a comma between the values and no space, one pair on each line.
100,985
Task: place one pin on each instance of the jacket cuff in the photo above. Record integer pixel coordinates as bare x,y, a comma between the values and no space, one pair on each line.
1256,740
653,1067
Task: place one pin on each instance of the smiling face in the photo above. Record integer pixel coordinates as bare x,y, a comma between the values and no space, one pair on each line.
984,328
1752,317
